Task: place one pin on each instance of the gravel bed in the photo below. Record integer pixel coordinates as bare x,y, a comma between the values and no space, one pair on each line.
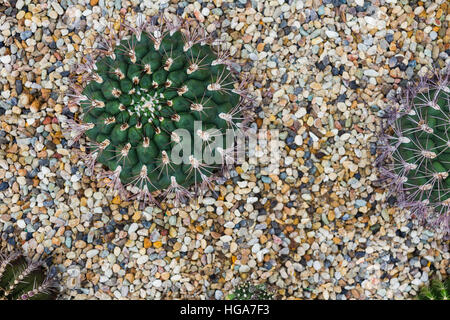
317,227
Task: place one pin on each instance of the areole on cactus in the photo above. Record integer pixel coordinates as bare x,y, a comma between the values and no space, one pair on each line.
418,146
21,279
154,103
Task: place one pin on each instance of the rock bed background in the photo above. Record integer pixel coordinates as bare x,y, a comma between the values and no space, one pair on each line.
319,227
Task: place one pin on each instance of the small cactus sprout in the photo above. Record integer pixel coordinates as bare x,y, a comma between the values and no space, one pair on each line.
416,150
437,290
158,106
247,291
21,279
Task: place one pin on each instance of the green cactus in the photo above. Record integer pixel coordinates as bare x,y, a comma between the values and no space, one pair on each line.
437,290
156,104
21,279
419,148
247,291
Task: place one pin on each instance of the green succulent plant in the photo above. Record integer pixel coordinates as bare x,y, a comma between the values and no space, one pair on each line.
21,279
158,107
247,291
437,290
418,146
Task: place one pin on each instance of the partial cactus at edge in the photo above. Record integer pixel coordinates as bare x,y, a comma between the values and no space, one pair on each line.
416,144
247,291
437,290
21,279
140,89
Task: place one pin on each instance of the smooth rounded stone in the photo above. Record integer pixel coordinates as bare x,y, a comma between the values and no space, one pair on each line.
92,253
133,228
98,195
317,265
20,4
57,7
142,259
209,201
218,295
371,73
226,238
229,224
256,247
188,286
157,283
331,34
26,34
433,35
172,220
288,161
59,42
21,224
22,181
6,59
244,269
253,56
209,249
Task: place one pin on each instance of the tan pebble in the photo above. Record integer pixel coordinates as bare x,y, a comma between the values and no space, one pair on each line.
16,110
165,275
285,188
129,277
274,177
215,235
247,38
35,106
355,294
157,244
80,244
198,15
136,216
45,93
263,239
76,38
116,268
316,40
260,47
331,215
20,15
419,35
177,246
56,241
316,86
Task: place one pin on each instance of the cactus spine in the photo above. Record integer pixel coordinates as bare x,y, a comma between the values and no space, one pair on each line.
437,290
21,279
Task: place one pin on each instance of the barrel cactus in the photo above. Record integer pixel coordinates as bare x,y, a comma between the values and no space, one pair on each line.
248,291
417,145
21,279
162,107
437,290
